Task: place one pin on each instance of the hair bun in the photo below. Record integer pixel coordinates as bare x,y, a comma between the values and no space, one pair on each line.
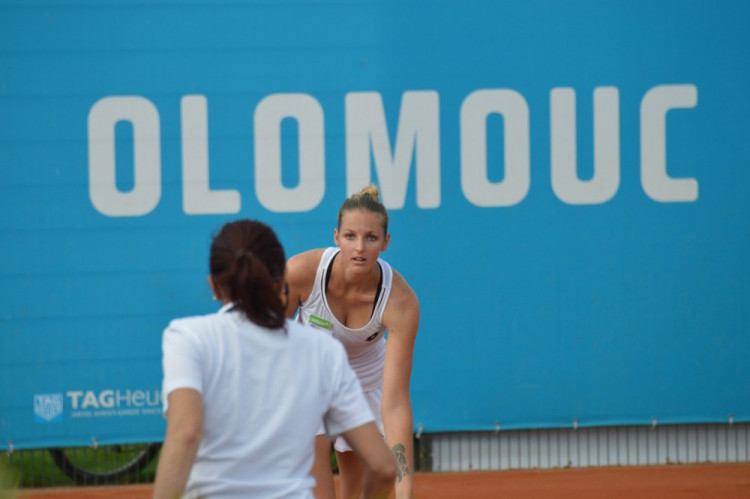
370,190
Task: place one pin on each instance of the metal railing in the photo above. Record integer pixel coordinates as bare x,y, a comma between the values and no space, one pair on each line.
585,447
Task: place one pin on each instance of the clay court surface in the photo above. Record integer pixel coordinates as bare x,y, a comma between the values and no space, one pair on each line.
650,482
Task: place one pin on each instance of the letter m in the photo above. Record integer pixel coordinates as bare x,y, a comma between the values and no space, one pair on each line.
418,137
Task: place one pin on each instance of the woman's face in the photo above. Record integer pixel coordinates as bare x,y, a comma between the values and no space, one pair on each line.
361,239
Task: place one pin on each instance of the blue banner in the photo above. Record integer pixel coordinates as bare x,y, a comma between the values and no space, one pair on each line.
566,183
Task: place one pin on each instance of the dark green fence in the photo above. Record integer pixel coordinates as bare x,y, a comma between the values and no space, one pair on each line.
115,464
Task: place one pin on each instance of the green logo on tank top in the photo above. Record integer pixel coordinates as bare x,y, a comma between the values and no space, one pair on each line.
320,322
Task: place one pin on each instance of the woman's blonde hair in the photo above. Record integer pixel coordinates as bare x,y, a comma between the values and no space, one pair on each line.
368,199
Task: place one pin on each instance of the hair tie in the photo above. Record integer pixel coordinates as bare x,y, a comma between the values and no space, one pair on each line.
243,253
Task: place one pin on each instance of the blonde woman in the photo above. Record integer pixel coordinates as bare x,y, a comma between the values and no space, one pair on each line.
353,295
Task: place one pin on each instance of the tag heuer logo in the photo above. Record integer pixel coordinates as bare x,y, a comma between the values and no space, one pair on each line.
48,407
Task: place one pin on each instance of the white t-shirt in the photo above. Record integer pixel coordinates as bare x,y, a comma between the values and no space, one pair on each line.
264,394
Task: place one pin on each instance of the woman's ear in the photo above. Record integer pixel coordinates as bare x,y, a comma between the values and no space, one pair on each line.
386,240
217,295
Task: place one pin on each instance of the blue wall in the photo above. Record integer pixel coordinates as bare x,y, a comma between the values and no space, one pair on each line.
545,298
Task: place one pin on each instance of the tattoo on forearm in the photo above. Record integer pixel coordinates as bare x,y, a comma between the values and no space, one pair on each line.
399,451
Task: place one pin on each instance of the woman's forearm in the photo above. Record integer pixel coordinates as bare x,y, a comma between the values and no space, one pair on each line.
173,470
184,423
398,425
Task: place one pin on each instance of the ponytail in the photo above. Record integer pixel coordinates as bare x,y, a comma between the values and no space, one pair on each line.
247,264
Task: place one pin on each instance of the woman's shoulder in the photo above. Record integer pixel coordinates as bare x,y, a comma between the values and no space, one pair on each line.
191,328
302,267
301,270
197,320
305,260
402,295
402,310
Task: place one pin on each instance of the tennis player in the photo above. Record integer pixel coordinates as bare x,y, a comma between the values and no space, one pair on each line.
353,295
245,389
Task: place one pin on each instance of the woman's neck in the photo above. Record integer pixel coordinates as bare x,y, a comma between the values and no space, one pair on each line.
355,281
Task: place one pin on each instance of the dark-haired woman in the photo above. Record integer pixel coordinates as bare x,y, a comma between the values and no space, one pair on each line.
353,295
245,389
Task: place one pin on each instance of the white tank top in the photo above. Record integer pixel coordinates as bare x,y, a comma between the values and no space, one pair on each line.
365,346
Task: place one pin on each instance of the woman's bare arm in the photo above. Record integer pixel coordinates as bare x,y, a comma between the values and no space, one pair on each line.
300,275
184,426
402,320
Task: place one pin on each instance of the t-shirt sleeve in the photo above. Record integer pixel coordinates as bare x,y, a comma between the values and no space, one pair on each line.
180,360
349,408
